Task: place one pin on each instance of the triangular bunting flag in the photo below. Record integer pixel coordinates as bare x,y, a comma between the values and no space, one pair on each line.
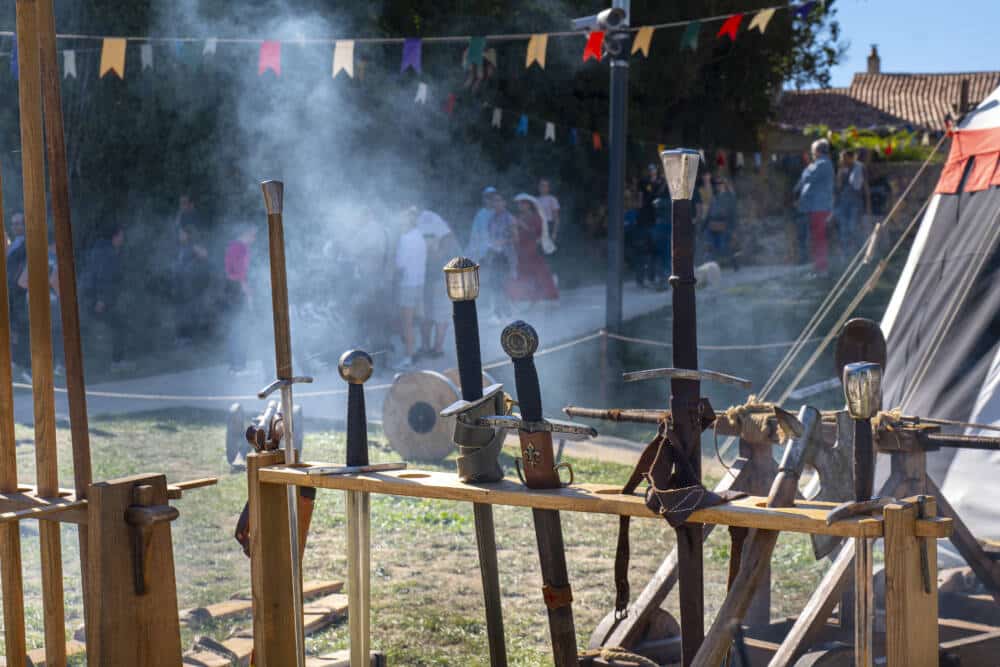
730,27
660,148
412,48
477,45
739,160
689,40
537,46
343,58
146,56
761,19
550,132
572,136
270,58
210,46
113,57
926,141
13,57
69,63
497,117
449,104
593,48
642,40
421,97
597,141
522,126
803,10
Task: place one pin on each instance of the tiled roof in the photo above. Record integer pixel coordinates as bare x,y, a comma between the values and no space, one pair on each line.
877,100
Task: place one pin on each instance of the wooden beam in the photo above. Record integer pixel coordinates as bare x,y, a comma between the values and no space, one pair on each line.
11,580
910,611
749,512
43,511
39,319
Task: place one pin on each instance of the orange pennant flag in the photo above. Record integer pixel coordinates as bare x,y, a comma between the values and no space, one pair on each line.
536,51
730,27
270,58
594,43
642,40
597,141
113,56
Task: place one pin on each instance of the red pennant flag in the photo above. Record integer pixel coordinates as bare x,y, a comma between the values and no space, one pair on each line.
594,43
597,141
270,58
730,27
449,105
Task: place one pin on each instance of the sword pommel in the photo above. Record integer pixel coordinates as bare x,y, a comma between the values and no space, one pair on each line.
461,277
355,366
863,389
274,196
519,340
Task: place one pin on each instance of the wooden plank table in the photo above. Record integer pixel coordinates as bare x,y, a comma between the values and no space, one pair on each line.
748,512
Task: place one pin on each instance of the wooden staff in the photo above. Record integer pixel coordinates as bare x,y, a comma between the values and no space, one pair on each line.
10,534
40,321
76,391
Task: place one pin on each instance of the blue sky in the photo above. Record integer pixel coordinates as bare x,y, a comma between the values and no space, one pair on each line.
919,35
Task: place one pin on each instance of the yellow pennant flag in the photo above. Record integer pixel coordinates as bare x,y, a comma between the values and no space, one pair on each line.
642,40
536,50
343,58
761,19
113,57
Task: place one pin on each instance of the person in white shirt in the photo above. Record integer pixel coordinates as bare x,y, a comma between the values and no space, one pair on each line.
436,312
550,208
411,261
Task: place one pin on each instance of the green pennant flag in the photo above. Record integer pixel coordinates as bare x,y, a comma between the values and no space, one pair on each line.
476,47
690,38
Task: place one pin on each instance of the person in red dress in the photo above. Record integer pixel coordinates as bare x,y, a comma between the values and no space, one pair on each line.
534,280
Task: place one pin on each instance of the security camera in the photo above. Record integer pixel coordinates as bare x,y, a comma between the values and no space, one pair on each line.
608,20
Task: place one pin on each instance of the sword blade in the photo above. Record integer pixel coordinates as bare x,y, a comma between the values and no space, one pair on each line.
359,576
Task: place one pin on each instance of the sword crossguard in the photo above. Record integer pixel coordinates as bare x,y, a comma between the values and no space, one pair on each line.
279,383
571,430
687,374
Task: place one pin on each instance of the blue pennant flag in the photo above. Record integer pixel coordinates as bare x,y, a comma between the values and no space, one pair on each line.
572,136
522,126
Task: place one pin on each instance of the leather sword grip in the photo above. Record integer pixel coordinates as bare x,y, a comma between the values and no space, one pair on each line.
529,395
357,426
538,461
470,364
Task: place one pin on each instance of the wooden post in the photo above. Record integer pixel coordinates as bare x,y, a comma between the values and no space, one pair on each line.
66,267
911,612
270,567
40,321
552,557
124,628
15,649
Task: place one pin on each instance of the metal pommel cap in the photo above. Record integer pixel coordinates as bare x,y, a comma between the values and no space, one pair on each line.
519,340
274,196
355,366
461,277
863,389
680,167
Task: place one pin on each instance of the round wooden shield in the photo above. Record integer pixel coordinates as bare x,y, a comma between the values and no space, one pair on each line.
861,339
411,415
237,446
452,374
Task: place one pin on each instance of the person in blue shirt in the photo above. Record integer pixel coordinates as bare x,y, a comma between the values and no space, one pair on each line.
815,192
479,236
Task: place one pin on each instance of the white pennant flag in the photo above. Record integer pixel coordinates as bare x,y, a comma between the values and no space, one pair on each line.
146,55
343,58
497,116
550,132
421,97
739,160
69,63
210,45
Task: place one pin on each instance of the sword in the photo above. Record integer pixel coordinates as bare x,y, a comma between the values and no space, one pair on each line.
479,446
519,341
273,202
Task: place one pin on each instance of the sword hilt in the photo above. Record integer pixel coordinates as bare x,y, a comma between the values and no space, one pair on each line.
461,276
355,368
520,341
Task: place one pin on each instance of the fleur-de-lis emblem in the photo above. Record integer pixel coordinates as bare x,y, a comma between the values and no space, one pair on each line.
532,456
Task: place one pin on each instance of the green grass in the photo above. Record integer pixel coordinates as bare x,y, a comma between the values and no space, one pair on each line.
425,585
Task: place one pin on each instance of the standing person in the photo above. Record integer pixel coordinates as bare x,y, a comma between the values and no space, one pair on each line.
55,313
850,203
191,278
187,213
441,247
815,191
500,261
105,280
411,267
239,296
549,205
372,251
534,282
650,190
721,219
479,236
17,296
